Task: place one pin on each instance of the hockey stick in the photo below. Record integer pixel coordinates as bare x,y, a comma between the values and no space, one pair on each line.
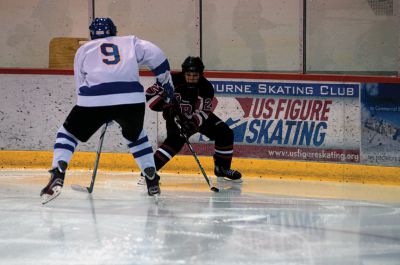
96,165
208,180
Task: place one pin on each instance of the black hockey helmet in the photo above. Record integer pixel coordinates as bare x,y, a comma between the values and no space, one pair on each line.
193,64
102,28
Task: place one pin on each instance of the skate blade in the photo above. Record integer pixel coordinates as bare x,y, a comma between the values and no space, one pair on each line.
47,198
236,181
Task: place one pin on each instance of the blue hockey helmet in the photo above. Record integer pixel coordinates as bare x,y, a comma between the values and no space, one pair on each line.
102,28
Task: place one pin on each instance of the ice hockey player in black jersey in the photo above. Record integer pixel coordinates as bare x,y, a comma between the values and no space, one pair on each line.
193,106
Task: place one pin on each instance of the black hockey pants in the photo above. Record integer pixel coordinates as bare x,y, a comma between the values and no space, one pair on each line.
214,128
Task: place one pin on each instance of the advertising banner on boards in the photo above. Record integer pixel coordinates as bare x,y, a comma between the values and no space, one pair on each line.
380,124
294,120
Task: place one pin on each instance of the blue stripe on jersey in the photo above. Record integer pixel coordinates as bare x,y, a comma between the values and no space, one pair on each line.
162,68
63,135
138,142
111,88
143,152
64,146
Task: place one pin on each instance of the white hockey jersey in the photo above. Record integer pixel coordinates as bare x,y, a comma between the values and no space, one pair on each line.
106,70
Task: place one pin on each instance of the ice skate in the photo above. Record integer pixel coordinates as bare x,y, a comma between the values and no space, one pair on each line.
56,182
152,181
228,174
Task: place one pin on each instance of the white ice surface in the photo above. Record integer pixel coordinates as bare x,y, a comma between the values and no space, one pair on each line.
120,224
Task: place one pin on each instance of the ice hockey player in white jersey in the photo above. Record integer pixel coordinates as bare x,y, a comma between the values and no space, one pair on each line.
106,71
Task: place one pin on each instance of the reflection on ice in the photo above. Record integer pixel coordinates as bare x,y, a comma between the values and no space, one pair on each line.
120,224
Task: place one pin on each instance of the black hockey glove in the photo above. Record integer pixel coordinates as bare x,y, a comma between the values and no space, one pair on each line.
170,111
189,127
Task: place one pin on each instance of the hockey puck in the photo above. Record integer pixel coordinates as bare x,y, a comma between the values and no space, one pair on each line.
214,189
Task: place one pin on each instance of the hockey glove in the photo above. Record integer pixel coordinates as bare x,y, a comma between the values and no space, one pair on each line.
189,127
170,111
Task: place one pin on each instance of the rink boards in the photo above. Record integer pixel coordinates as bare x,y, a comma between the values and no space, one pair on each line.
249,167
277,119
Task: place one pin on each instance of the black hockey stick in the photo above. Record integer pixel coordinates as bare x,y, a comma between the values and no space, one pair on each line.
96,165
208,180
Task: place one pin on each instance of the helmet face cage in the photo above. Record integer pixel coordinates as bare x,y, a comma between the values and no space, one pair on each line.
193,64
102,28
